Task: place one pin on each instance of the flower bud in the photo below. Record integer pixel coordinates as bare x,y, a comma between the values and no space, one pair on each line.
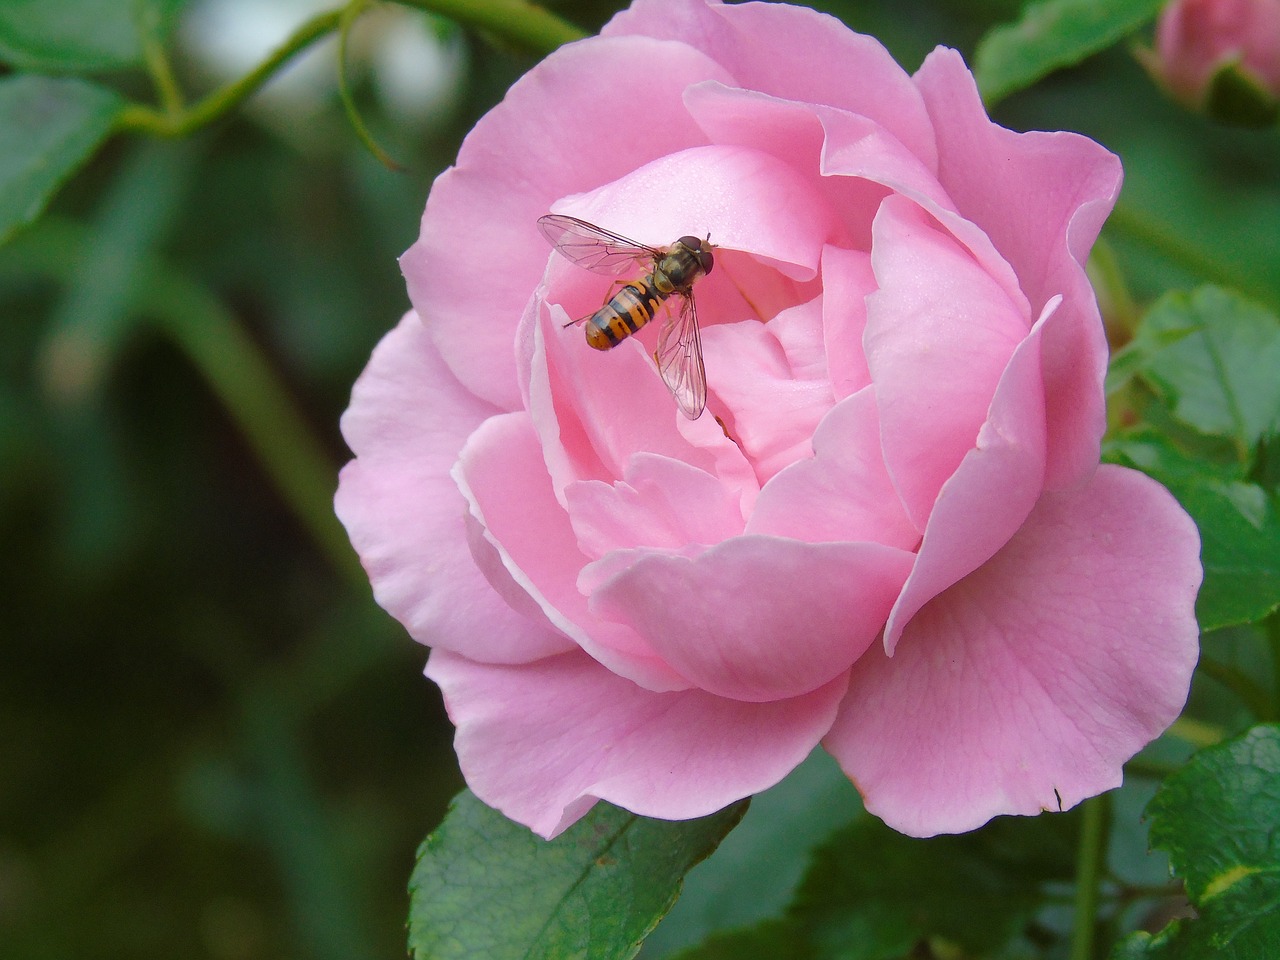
1221,57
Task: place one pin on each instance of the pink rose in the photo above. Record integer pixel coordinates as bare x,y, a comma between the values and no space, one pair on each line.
1196,40
899,546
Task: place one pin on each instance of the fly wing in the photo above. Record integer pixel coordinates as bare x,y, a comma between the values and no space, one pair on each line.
594,248
679,357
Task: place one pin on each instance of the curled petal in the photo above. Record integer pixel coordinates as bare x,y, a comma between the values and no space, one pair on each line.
939,333
477,206
1042,207
1027,685
754,618
532,549
811,57
842,492
407,421
987,499
544,741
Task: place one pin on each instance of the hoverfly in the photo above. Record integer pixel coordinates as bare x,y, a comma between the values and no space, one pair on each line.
670,272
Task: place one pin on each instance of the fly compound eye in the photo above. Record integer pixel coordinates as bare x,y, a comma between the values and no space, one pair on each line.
707,261
691,243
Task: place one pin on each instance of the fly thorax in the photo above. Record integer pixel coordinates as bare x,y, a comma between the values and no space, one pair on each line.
665,276
678,270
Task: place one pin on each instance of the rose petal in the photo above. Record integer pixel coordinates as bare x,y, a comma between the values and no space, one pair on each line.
1028,684
843,492
996,486
407,421
660,502
504,479
594,411
479,205
771,384
939,333
1042,207
847,278
854,162
753,618
746,199
543,742
812,58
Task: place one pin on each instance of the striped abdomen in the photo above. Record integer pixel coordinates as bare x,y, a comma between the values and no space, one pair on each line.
634,305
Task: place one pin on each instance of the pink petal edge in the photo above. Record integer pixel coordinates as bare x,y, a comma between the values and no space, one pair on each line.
1029,684
543,742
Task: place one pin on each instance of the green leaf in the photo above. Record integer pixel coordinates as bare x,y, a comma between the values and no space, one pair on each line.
1211,357
1053,34
1239,526
80,35
784,825
1218,819
874,894
487,887
51,126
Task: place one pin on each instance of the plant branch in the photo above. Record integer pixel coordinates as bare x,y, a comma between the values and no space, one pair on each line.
161,71
142,119
516,21
350,13
236,372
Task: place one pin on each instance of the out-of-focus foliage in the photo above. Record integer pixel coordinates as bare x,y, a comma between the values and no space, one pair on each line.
212,742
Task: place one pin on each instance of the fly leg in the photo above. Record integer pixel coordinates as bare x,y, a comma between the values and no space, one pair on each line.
613,289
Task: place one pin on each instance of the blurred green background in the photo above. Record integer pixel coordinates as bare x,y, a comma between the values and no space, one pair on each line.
212,742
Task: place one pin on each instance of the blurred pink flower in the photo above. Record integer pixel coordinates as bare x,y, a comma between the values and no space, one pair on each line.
900,545
1198,42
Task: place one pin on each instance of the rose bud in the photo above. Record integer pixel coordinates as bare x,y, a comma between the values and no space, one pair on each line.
1220,57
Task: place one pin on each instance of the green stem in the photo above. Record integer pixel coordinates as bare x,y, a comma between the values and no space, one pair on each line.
1150,769
243,380
527,26
1089,866
1272,626
349,15
161,70
1119,311
515,21
1248,691
1173,246
235,370
141,119
1196,732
